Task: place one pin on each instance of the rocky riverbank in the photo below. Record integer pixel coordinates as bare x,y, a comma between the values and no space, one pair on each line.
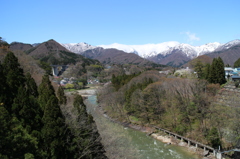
165,138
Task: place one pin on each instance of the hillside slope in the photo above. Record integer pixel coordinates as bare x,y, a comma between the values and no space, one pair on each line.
114,56
229,56
17,46
54,53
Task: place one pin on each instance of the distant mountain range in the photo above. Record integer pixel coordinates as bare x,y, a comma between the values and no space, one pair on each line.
54,53
168,53
51,52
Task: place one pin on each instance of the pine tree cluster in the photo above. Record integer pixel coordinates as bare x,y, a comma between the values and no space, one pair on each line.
215,72
32,124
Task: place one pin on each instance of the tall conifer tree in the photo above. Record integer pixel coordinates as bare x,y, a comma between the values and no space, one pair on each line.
61,96
3,86
5,138
26,108
31,85
221,79
90,147
53,130
217,73
14,76
45,91
58,141
207,72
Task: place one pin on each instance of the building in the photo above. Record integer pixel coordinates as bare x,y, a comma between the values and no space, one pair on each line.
235,78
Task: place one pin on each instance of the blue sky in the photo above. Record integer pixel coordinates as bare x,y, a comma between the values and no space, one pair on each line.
132,22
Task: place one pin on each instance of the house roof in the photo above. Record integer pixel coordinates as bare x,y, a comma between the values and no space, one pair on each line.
235,77
228,68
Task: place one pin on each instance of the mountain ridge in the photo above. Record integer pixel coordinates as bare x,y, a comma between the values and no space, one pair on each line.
150,50
171,53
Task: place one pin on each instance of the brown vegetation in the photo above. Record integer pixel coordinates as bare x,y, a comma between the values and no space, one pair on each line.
184,106
114,56
204,59
17,46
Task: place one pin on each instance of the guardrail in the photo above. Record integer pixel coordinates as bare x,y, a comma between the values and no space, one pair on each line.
185,138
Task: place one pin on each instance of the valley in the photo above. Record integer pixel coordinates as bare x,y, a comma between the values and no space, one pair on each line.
134,90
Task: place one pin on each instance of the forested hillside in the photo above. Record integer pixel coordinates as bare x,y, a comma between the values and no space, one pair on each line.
32,124
114,56
39,58
55,54
184,106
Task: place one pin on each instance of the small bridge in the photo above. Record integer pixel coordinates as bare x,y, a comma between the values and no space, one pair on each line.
217,153
57,70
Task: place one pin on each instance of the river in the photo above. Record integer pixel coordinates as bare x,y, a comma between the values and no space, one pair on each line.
127,143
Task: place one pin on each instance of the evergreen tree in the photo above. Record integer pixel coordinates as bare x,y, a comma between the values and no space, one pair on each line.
213,137
5,138
19,101
26,108
217,73
22,142
221,79
207,71
237,63
15,139
79,105
32,124
61,96
227,65
57,139
213,72
3,86
53,130
31,85
87,135
14,76
199,69
32,112
45,91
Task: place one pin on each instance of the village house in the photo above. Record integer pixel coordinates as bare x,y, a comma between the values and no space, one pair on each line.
232,73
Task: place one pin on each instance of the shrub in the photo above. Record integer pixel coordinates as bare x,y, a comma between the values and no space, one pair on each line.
236,84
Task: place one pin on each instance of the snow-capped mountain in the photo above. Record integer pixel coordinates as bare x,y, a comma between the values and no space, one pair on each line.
228,45
168,53
150,50
144,51
78,47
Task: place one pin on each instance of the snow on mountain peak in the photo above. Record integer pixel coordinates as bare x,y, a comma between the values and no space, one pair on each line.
146,50
150,50
232,43
78,47
209,47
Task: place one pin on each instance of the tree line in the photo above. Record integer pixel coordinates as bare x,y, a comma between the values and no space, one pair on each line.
213,73
32,124
185,106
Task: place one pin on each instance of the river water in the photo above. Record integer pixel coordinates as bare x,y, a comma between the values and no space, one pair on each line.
127,143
